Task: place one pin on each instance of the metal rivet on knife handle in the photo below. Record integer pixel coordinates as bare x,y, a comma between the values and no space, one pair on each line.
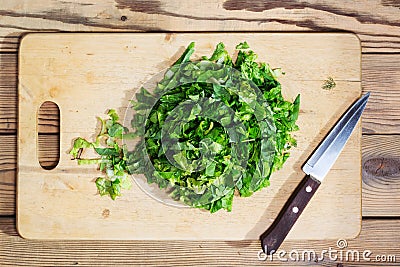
276,233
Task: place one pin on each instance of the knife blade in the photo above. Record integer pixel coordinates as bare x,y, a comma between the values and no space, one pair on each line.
316,168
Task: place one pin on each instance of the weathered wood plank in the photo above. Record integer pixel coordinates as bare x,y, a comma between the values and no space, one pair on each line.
15,251
381,76
49,118
7,192
8,159
381,175
8,165
8,93
376,22
48,150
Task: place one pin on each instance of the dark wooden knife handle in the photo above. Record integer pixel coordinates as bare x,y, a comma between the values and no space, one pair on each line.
273,237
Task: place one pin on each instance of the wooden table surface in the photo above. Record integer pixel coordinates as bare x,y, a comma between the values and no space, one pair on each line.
377,24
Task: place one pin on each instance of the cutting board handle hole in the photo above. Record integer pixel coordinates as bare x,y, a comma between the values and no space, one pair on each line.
48,135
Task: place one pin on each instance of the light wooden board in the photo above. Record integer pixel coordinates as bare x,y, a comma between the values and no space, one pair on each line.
374,202
85,74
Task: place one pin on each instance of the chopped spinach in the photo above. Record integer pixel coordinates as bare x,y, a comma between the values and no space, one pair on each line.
204,156
112,156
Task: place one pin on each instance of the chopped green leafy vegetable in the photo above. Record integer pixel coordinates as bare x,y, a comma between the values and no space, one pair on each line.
210,129
112,156
185,167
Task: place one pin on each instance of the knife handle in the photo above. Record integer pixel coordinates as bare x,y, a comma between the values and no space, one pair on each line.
273,237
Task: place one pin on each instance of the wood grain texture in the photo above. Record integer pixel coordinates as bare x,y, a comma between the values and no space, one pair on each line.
376,22
381,190
8,93
105,69
381,76
381,175
8,164
8,143
49,118
379,236
382,114
48,150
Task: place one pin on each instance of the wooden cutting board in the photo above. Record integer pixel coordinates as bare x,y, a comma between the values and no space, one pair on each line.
87,73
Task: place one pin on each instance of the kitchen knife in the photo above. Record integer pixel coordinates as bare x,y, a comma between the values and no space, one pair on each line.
316,168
